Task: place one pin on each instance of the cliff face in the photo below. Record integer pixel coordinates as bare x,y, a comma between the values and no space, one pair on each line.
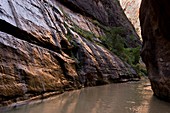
131,9
48,46
109,13
154,17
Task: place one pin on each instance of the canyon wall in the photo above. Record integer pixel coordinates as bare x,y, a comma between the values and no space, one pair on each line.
49,46
154,18
109,13
131,9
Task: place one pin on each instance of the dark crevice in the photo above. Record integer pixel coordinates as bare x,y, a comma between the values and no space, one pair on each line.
48,18
63,64
23,35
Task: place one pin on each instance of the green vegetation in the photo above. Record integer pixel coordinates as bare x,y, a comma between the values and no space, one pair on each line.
73,50
69,36
114,42
95,22
86,34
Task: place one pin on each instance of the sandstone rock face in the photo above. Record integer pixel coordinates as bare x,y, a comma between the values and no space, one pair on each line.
131,9
108,12
154,17
41,51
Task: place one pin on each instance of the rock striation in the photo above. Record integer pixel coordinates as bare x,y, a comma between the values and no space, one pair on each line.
42,48
107,12
131,9
154,18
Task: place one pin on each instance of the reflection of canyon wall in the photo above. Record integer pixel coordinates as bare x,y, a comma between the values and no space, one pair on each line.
154,18
49,46
131,9
115,98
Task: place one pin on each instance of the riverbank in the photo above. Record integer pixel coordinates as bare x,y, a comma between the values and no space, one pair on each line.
129,97
14,104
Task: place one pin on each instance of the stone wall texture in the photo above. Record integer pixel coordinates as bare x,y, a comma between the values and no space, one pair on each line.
40,52
154,17
131,9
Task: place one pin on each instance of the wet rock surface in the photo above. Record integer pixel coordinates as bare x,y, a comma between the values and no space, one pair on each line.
107,12
40,52
154,17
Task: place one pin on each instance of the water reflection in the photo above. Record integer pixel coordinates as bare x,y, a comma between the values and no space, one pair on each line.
135,97
157,106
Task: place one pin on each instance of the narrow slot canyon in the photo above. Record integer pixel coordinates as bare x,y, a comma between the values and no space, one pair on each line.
84,56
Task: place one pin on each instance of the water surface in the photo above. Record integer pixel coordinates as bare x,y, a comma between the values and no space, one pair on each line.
133,97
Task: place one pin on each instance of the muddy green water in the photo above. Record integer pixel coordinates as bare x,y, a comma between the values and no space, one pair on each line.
133,97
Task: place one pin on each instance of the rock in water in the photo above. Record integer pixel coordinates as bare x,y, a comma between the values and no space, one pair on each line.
154,18
47,46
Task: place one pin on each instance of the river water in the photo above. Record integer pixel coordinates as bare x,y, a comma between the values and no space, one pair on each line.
132,97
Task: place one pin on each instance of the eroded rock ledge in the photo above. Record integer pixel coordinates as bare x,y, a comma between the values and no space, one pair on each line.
154,17
108,12
43,49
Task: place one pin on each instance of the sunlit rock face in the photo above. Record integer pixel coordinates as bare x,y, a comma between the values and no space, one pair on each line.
108,12
41,53
131,9
154,18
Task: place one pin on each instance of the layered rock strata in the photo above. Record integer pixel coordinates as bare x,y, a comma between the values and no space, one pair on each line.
107,12
131,9
41,52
